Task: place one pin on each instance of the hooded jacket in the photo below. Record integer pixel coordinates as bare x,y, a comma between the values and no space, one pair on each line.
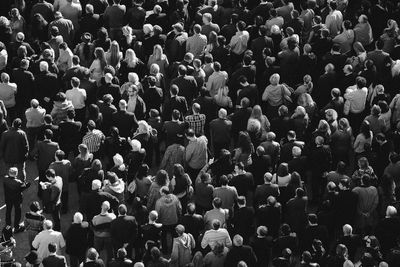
116,189
169,208
59,112
182,250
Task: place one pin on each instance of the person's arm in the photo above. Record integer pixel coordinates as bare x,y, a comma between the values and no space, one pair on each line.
228,240
204,241
265,95
174,253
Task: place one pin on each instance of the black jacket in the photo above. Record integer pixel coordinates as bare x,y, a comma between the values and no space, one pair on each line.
13,189
125,121
124,229
14,146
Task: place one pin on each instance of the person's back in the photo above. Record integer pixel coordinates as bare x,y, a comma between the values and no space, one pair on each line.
168,208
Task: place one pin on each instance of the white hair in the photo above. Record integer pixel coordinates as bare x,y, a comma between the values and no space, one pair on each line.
43,66
78,218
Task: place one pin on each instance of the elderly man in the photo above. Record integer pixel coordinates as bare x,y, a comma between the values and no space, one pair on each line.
34,122
220,132
7,94
45,237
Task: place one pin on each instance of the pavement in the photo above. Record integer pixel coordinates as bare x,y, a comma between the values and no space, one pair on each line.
30,195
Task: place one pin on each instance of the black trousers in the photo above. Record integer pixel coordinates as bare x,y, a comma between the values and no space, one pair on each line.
56,215
17,212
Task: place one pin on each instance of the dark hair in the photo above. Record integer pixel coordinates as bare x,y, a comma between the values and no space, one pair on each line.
365,129
60,154
161,177
244,142
48,134
52,247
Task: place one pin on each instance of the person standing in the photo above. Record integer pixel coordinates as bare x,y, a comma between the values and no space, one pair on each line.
102,230
34,122
182,247
93,139
13,189
46,150
220,132
7,94
54,260
78,97
63,168
196,154
14,148
45,237
52,196
70,136
76,239
124,231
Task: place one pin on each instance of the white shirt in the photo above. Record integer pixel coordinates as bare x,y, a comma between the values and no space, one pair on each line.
44,238
357,99
77,96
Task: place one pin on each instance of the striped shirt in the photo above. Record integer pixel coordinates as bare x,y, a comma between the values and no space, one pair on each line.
213,237
93,140
196,122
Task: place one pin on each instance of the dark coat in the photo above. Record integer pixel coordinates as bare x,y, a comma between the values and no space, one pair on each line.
187,87
25,84
54,261
14,146
13,189
243,253
76,240
126,122
91,203
46,150
124,229
174,102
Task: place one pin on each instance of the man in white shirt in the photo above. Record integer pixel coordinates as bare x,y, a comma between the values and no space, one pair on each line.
216,80
238,43
356,97
334,20
45,237
78,97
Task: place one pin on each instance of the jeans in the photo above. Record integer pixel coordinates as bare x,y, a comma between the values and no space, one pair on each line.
17,212
21,169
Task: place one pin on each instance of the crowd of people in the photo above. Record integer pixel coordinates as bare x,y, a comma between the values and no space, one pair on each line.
201,133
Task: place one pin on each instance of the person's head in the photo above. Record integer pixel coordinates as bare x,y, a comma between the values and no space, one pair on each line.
78,218
105,207
241,201
274,79
153,216
361,82
161,178
13,172
47,225
283,170
92,254
207,18
319,140
245,102
59,155
237,241
216,224
347,230
300,192
121,253
52,247
155,253
296,152
50,175
217,203
267,177
174,90
391,212
180,229
241,26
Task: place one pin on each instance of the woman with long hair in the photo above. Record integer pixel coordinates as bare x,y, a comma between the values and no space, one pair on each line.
160,78
99,63
158,57
131,63
257,114
323,130
389,36
127,39
82,161
212,42
180,185
341,141
114,56
161,179
102,39
84,50
145,134
244,149
363,139
39,28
